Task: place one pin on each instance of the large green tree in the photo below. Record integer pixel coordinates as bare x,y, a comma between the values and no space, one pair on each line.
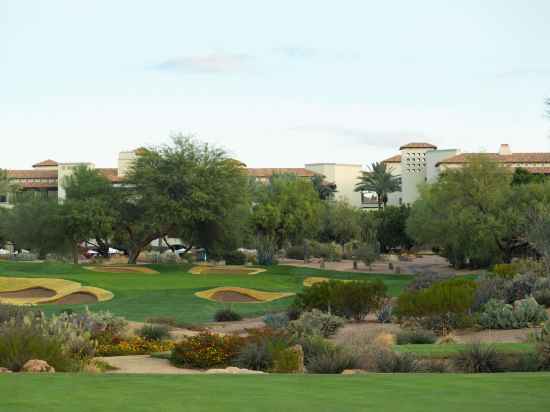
340,223
326,190
380,181
391,225
175,190
287,209
90,208
474,214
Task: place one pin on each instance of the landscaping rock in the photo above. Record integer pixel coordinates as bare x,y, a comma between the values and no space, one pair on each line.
5,370
37,366
232,371
354,372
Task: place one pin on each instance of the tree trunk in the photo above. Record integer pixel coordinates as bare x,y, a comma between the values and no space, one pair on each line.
103,248
133,254
75,253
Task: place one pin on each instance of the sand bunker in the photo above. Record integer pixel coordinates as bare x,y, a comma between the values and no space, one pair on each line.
35,291
122,269
78,298
228,296
29,293
225,270
240,295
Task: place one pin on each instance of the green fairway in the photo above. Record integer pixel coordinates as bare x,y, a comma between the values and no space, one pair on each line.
445,351
171,292
304,393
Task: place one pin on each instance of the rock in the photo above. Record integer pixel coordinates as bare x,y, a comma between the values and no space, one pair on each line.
37,366
4,370
353,372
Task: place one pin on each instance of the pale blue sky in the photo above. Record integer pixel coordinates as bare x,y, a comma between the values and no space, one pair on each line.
278,83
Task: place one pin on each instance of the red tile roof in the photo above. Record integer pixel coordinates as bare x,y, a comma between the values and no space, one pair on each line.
46,163
538,170
32,174
418,145
268,172
393,159
111,174
511,158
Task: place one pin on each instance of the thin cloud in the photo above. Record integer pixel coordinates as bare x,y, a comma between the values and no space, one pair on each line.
540,71
310,53
357,136
208,64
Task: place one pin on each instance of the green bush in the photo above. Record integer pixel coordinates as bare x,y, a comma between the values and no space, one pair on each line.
154,332
523,313
333,360
520,287
506,270
349,299
235,257
478,358
227,315
206,350
439,306
314,345
543,352
287,360
315,323
415,337
295,252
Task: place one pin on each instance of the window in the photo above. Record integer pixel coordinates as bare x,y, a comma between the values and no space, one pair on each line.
3,199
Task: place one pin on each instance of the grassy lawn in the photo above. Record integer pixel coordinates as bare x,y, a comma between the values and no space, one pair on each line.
445,351
171,293
315,393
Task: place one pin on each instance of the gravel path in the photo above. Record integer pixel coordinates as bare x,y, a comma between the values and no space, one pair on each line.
144,364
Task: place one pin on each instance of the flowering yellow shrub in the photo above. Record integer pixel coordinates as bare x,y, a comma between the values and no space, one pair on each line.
206,350
133,346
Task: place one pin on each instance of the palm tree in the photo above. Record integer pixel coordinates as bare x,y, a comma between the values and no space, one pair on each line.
379,181
326,190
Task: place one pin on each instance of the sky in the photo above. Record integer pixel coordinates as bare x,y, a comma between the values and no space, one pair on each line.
276,83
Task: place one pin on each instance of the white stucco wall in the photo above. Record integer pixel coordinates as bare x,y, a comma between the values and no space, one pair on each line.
346,176
433,158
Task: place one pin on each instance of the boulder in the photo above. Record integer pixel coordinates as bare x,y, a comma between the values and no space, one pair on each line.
353,372
37,366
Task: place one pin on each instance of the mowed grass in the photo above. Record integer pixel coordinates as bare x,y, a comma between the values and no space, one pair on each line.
445,351
171,292
523,392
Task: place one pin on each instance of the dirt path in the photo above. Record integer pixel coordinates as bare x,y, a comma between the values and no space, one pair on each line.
144,364
432,263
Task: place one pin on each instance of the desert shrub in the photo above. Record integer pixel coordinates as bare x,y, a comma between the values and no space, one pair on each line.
478,358
154,332
387,361
133,346
385,313
102,326
206,350
541,291
313,346
506,270
255,356
328,251
63,345
439,306
489,287
287,360
227,315
295,252
520,287
276,320
523,313
317,323
433,366
543,352
416,336
367,252
349,299
163,320
332,360
8,312
235,257
525,362
427,279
